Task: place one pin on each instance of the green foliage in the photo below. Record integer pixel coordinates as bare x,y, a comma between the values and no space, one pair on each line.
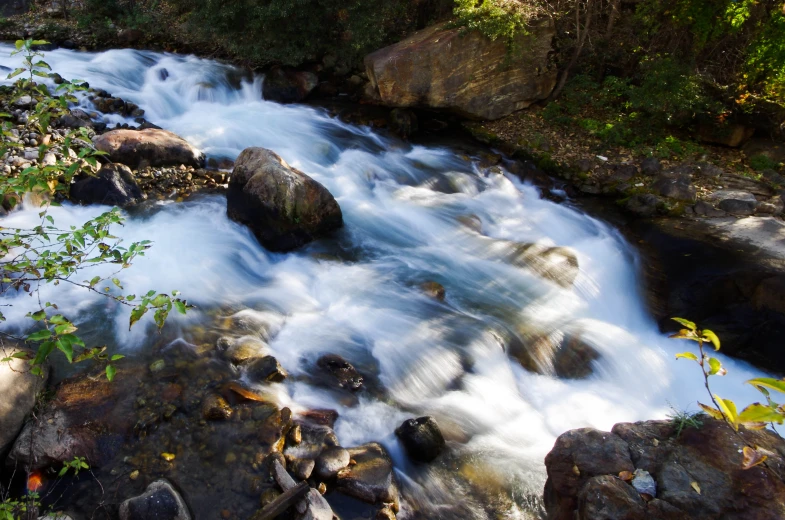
754,416
76,465
643,114
682,420
496,19
48,254
762,162
13,509
765,57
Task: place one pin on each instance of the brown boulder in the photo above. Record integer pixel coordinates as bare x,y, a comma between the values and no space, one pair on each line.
698,473
731,135
283,206
148,147
465,72
371,479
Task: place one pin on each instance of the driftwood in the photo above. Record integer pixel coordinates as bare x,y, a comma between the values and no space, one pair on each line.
283,502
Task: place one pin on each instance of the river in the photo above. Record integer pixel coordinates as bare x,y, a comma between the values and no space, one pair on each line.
358,295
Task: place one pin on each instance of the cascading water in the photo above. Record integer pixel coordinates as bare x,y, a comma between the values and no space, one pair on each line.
358,295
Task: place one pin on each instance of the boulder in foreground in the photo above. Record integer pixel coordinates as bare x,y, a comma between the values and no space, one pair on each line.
647,470
283,206
464,71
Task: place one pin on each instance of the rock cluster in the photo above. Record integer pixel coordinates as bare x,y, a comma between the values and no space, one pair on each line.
648,471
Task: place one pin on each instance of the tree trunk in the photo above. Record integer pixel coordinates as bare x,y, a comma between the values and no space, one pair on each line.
581,41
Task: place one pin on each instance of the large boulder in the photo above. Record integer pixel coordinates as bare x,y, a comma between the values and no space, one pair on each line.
422,438
114,184
148,147
283,206
441,67
698,473
19,389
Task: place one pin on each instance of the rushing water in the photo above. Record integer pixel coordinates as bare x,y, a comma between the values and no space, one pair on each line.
360,296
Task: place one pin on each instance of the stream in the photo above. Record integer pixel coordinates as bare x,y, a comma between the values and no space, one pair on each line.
358,294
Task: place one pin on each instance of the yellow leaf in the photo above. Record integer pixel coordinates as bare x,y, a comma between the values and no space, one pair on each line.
696,487
751,458
626,476
711,411
168,457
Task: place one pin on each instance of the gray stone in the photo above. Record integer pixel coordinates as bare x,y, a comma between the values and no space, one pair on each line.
160,501
708,170
331,461
651,166
266,370
738,207
644,483
371,479
732,194
19,389
705,209
114,185
678,187
643,205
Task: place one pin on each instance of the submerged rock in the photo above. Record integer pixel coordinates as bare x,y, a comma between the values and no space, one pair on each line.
283,206
286,85
422,438
113,185
160,501
19,389
331,461
266,370
215,408
148,147
341,372
464,71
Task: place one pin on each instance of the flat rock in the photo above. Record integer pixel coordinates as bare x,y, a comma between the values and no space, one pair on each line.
148,147
371,479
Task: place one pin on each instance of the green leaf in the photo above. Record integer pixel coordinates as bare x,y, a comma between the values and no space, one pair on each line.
710,336
65,328
136,315
15,73
38,316
63,471
768,382
759,413
40,335
64,345
686,323
110,372
117,357
715,367
687,355
58,319
180,306
116,281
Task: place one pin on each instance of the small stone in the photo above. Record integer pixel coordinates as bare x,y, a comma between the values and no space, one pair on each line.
157,365
215,408
134,474
322,488
330,461
231,458
434,290
644,483
266,369
295,435
650,166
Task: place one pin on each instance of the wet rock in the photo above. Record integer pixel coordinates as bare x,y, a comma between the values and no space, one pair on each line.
434,289
421,438
675,187
246,349
644,205
573,359
697,474
19,389
462,71
113,185
558,264
283,206
215,408
340,371
160,501
624,172
331,461
385,513
302,468
148,147
313,507
52,439
321,417
286,85
266,370
371,479
651,166
403,122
